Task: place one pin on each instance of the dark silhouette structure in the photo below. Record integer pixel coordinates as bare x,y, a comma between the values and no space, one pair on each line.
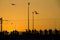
1,23
35,12
31,35
28,14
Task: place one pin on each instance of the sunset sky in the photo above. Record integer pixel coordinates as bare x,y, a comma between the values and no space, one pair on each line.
17,15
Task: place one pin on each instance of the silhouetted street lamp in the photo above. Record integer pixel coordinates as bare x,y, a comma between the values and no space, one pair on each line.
33,17
1,23
28,14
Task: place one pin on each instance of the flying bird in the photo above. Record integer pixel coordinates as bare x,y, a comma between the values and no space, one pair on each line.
12,4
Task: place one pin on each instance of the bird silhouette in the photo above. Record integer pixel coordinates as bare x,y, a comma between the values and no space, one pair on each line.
12,4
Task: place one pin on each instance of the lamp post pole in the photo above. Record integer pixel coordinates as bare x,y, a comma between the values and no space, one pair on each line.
35,12
33,19
28,14
1,23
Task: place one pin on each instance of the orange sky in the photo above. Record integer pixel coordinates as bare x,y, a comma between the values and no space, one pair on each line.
48,17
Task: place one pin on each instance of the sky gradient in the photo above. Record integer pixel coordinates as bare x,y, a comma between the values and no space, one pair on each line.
48,17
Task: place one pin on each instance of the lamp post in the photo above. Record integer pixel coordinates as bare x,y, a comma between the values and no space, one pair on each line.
35,12
33,20
1,23
28,14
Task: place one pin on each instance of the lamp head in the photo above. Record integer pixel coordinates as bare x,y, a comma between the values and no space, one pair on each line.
36,12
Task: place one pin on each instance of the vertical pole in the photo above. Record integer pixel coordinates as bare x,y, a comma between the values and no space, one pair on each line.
55,24
1,24
33,19
28,14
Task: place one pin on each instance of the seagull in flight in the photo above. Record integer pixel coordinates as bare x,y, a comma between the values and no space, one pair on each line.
12,4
